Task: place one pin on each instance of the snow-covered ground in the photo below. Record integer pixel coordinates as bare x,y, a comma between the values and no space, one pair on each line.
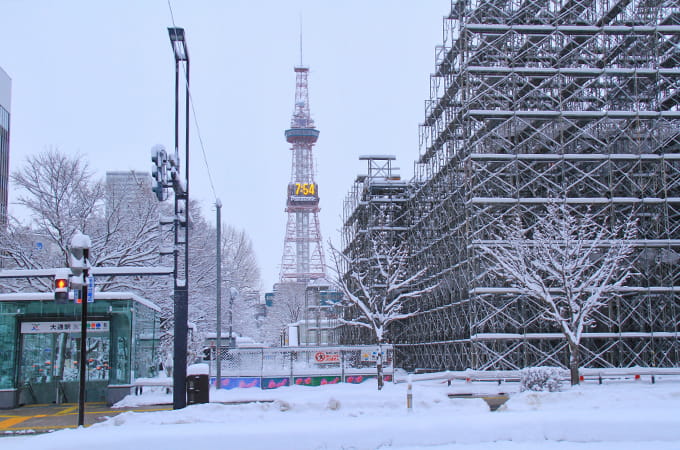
623,415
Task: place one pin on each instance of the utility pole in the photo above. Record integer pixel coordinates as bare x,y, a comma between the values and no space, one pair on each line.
218,296
171,166
181,296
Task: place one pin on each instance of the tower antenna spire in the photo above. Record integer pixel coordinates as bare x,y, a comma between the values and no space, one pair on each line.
301,64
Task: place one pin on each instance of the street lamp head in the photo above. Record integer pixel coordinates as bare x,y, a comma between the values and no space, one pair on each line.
179,44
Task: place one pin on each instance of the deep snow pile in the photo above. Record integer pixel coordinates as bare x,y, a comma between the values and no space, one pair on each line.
626,415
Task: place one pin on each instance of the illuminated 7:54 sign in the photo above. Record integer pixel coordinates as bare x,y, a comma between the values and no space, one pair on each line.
305,188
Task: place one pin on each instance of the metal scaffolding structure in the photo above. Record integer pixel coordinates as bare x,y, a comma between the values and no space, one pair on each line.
535,101
303,257
373,210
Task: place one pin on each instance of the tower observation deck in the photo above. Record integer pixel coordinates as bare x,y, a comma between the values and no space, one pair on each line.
303,256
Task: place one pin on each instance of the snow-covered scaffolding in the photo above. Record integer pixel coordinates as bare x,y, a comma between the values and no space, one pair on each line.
374,210
532,101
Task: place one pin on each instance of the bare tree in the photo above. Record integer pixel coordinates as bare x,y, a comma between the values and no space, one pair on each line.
572,266
128,232
241,272
287,308
23,248
239,263
61,196
379,287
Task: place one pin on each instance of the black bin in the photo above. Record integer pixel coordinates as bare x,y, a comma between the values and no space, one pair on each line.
198,389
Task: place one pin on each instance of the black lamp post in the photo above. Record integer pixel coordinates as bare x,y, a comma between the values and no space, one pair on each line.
181,220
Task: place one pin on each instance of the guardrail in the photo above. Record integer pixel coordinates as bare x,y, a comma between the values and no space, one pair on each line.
140,383
515,375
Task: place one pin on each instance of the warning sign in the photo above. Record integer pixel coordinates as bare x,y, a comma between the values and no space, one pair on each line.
327,357
372,355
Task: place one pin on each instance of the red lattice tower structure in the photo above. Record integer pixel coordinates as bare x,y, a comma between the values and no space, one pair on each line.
303,256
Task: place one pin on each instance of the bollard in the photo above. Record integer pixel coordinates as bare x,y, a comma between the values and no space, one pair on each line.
409,396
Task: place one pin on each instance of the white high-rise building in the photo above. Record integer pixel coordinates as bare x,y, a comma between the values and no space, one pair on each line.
126,187
5,102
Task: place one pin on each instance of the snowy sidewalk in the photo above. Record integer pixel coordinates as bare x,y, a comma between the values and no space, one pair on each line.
621,416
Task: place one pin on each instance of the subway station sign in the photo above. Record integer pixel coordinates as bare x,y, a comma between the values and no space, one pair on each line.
101,326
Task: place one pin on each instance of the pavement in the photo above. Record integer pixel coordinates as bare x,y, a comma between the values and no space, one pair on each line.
32,419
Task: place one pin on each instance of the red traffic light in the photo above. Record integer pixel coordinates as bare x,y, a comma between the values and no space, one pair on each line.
61,286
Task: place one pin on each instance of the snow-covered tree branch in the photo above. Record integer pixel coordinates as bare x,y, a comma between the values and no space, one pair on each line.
62,196
239,271
288,307
571,265
378,288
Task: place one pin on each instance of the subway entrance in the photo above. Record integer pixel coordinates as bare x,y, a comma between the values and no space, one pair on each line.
49,359
40,347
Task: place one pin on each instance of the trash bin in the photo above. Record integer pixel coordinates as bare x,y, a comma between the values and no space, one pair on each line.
198,384
198,389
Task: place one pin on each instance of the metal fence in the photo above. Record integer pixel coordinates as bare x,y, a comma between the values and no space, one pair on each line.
274,367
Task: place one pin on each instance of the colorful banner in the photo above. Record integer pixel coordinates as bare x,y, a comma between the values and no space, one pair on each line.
316,381
238,382
356,379
273,383
276,382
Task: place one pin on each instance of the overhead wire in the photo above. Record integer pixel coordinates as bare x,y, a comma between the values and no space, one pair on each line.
193,111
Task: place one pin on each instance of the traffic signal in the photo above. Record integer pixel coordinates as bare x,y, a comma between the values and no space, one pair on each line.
80,253
61,286
160,191
159,171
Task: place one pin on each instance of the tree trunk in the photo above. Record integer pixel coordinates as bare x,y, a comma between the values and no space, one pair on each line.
379,366
574,362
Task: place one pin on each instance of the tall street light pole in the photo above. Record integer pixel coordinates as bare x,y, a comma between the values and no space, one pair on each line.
218,297
181,220
233,293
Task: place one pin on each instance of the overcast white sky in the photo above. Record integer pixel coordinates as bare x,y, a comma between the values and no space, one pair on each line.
97,78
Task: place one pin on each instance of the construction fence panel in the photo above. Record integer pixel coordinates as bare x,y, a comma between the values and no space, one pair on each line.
284,366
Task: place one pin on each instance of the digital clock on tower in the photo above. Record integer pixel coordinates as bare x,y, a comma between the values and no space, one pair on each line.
305,189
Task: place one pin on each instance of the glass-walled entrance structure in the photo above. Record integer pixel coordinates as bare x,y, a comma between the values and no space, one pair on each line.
40,347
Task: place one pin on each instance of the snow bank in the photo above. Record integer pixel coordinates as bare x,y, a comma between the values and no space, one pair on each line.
629,415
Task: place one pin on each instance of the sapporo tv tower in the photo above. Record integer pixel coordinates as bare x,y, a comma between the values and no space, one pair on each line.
303,257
